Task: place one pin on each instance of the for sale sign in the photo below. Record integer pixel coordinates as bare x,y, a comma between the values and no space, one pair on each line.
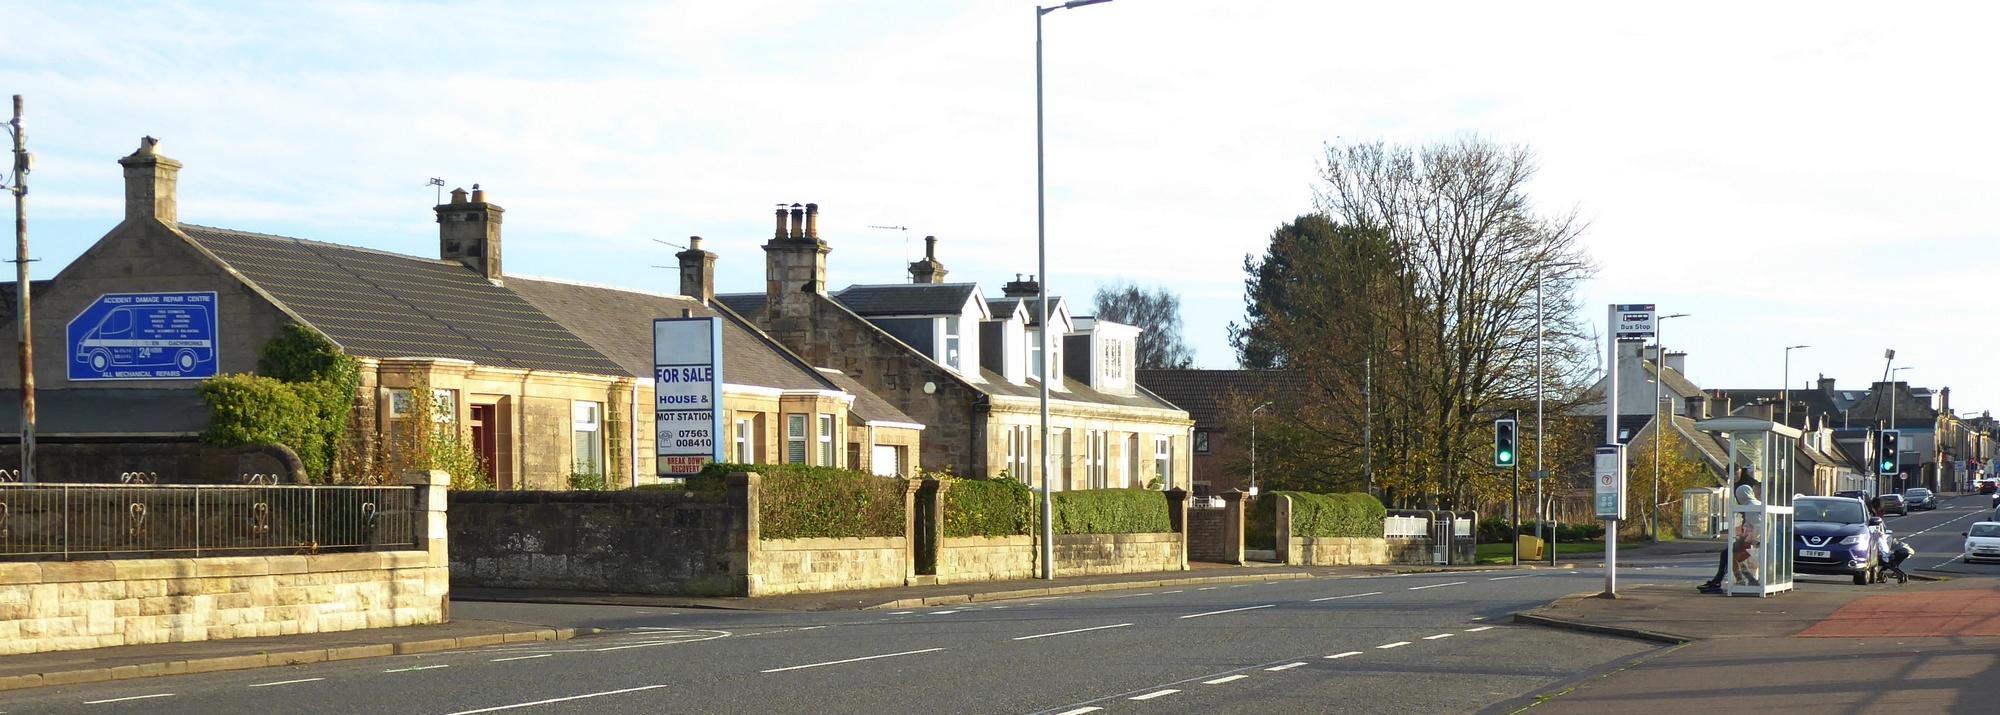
687,394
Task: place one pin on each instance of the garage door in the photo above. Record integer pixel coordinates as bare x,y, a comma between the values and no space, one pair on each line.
884,462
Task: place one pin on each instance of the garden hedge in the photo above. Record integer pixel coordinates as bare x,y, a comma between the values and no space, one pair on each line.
795,501
1112,511
987,507
1336,515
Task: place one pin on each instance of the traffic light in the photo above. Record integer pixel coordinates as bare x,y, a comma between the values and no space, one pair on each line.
1888,454
1504,451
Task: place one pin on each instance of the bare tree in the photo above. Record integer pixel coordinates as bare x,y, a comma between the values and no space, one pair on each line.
1157,313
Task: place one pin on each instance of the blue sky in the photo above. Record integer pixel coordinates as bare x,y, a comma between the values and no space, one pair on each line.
1787,172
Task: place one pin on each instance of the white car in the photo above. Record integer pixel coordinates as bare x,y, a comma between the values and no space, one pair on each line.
1982,541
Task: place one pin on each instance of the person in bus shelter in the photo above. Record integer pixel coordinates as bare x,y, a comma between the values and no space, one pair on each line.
1747,537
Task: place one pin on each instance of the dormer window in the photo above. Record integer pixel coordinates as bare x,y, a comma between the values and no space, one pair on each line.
1035,362
1114,362
951,343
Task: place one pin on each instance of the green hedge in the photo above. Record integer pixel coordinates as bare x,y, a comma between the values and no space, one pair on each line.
801,502
1335,515
303,400
1111,511
988,507
253,409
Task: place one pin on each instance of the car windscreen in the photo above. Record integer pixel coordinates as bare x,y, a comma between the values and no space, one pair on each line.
1920,492
1985,530
1827,510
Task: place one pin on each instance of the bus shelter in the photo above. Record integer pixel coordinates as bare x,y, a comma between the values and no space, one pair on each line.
1759,492
1702,513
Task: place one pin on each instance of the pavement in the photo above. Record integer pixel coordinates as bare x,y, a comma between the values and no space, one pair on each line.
1929,646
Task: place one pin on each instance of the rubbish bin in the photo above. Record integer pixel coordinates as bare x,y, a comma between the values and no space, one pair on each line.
1531,548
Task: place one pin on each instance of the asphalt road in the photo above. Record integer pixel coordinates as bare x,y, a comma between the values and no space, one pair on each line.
1938,536
1390,644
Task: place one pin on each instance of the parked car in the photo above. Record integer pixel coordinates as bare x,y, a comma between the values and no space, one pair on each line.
1892,504
1835,536
1982,541
1920,498
1989,486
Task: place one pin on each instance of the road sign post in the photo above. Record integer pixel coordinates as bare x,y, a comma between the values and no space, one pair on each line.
1627,321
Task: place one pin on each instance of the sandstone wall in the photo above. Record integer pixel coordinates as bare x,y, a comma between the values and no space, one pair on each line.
1337,551
985,558
623,541
780,566
1092,554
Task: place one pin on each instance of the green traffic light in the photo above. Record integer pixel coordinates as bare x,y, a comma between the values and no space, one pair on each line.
1506,457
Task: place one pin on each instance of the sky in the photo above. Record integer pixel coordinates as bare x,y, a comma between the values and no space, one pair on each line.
1788,172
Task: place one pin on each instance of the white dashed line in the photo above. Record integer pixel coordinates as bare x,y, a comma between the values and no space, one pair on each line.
1504,578
1154,694
1064,633
1437,585
135,697
1351,595
1208,588
1338,656
1440,635
520,657
1481,628
1287,666
902,613
415,668
1397,644
1080,711
1231,610
850,660
942,613
290,682
1225,679
516,706
1167,592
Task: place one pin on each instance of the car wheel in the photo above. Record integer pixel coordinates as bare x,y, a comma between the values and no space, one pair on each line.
1861,579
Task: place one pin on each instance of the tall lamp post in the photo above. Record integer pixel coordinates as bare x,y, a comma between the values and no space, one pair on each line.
1659,380
1785,393
1541,507
1042,289
1253,447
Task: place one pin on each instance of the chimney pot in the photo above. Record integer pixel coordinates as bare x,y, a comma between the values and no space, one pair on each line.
812,221
458,196
697,271
779,233
478,194
798,231
928,270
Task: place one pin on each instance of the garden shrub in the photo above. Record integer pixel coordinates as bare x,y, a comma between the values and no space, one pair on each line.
1111,511
1336,515
987,507
799,502
302,400
586,481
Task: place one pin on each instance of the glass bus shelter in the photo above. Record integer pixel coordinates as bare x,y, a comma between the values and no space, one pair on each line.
1758,503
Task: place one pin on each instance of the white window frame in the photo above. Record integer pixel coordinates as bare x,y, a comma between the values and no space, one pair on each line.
744,455
827,455
1097,462
1201,442
1035,364
795,439
587,417
401,403
1163,460
444,405
952,341
1114,362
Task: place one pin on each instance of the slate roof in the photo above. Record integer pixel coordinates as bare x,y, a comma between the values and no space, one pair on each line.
1911,410
907,298
744,304
384,305
868,406
1204,393
166,411
1073,391
1675,380
619,324
1806,403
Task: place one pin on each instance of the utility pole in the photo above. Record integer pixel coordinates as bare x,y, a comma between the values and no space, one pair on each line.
1368,420
21,314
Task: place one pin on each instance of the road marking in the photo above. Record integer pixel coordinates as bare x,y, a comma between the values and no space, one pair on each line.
135,697
520,657
1351,595
1231,610
290,682
1167,592
1287,666
999,608
902,613
1338,656
1481,628
517,706
1208,588
1225,679
1080,711
1504,578
1064,633
809,628
942,613
850,660
1437,585
1397,644
1440,635
1154,694
417,667
1478,618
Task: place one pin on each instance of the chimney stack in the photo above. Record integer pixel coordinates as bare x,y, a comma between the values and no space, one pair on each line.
150,179
469,232
1018,288
928,270
697,272
794,262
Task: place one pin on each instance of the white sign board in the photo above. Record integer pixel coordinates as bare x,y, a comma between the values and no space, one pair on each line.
687,394
1609,478
1633,321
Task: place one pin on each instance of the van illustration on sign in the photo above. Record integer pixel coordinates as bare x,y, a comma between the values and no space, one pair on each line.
144,336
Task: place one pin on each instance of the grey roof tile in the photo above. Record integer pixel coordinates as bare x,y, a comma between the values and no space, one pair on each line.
619,323
907,298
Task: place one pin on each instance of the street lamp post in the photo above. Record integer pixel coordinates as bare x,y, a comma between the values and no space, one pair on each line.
1042,289
1253,447
1541,506
1659,380
1785,392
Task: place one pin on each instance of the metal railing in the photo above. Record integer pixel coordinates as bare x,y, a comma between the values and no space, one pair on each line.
69,521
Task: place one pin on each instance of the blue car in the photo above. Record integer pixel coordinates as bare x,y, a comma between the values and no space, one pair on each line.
1835,536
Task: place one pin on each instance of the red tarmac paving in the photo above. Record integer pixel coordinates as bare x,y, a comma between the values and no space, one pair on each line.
1919,614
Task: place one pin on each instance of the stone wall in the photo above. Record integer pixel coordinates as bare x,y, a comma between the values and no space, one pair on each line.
1093,554
985,558
780,566
57,606
625,541
1337,551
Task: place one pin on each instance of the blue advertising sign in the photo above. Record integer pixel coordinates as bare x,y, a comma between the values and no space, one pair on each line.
687,394
144,336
